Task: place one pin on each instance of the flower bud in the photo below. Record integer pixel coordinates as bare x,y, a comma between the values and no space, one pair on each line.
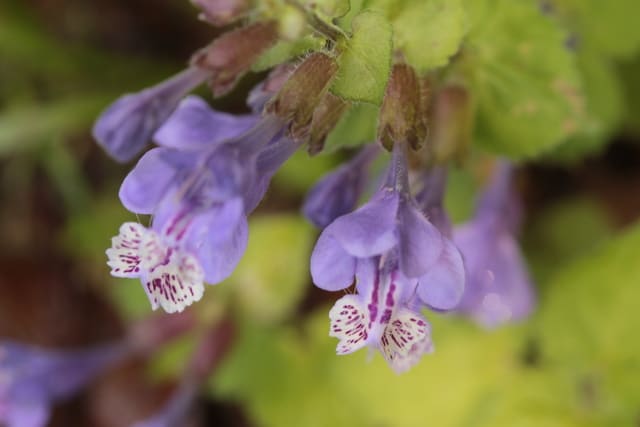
126,126
301,94
324,119
222,12
265,90
400,114
229,56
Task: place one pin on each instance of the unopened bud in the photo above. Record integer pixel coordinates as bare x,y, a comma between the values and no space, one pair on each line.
324,119
266,89
400,114
230,55
222,12
452,123
303,91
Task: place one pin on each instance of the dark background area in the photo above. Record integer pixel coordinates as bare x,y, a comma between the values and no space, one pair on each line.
61,62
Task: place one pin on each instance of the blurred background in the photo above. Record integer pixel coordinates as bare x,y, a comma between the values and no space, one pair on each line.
575,363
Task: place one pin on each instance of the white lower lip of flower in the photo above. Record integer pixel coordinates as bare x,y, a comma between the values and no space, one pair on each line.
403,341
172,278
349,322
177,284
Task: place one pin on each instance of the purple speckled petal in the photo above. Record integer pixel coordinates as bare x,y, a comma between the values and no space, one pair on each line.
420,242
370,230
443,285
194,125
332,268
127,125
147,183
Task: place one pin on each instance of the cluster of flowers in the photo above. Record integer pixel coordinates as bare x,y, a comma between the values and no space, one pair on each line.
210,170
404,256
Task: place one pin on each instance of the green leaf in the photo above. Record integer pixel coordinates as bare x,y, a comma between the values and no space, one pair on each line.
588,327
604,107
285,50
355,7
365,62
328,8
428,32
601,291
357,126
274,272
628,73
610,27
297,372
526,81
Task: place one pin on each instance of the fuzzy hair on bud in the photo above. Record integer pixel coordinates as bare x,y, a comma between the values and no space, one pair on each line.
231,55
400,114
325,118
303,91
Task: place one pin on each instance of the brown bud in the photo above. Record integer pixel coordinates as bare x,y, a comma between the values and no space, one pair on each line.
222,12
401,116
303,91
452,123
324,119
229,56
278,77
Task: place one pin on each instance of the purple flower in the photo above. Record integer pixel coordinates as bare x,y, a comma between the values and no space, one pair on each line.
337,193
32,379
498,286
208,174
431,198
382,315
127,125
448,272
390,248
